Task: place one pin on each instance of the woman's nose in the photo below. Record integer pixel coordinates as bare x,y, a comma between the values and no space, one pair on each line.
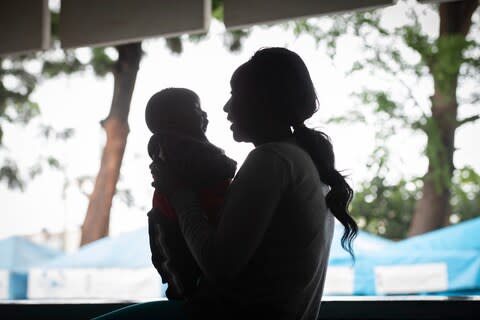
226,107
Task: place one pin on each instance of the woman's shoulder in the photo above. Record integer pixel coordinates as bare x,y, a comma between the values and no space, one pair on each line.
287,150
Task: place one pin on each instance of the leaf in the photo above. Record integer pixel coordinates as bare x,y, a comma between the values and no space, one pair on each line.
68,65
9,172
385,104
233,39
53,162
101,62
35,170
217,9
25,111
352,117
357,66
174,44
65,134
125,195
197,37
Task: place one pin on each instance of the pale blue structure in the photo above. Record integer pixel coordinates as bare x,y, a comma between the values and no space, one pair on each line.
455,249
128,250
17,255
363,244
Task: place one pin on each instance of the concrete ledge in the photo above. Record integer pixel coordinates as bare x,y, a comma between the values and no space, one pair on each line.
406,307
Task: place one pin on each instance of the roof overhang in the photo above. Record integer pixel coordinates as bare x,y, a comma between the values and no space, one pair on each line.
25,24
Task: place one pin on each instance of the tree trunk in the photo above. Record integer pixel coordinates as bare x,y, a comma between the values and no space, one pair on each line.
96,224
433,209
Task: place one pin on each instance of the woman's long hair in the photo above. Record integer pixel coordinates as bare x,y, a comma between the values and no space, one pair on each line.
280,79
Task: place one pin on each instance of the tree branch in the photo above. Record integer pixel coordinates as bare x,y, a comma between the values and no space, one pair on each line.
468,119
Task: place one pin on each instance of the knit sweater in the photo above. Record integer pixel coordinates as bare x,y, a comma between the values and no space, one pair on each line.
268,255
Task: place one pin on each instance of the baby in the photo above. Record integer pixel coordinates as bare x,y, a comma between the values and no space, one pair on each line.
178,124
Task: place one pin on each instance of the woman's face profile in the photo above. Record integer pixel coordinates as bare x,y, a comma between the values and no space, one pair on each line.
238,115
244,110
234,126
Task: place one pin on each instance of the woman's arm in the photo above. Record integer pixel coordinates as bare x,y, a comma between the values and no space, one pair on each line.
251,201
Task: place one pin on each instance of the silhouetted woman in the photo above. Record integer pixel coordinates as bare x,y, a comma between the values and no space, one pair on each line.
268,256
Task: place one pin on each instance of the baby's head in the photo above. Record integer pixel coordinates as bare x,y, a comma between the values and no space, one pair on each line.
176,109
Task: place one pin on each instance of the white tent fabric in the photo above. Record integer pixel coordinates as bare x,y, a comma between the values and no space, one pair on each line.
119,268
405,279
339,280
4,284
110,268
17,255
106,283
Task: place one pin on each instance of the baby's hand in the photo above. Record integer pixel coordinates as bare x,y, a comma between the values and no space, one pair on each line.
164,178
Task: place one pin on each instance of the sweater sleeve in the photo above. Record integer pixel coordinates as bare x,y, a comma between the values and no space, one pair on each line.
250,203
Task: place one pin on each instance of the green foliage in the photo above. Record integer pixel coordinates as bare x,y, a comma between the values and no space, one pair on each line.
18,81
386,209
9,173
217,9
101,62
437,156
403,57
174,44
19,76
16,86
233,40
353,116
126,196
465,194
381,102
65,63
414,37
446,63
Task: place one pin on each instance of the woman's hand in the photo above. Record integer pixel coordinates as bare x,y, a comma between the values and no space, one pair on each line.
164,178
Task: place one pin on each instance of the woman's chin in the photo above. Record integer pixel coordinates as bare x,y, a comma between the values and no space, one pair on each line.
236,136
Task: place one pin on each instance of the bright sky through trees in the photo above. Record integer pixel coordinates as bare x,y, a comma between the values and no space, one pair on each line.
81,101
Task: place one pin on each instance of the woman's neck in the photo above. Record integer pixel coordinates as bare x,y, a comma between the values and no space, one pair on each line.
273,136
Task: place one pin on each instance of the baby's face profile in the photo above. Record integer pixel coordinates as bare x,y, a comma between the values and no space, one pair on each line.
202,115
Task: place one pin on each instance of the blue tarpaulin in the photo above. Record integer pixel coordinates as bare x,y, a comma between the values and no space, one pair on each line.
113,267
128,250
444,261
17,255
461,236
132,250
364,243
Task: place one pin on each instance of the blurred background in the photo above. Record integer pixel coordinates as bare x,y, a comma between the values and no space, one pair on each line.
397,83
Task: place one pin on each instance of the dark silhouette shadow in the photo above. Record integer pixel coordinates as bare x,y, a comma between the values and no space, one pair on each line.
268,255
178,124
273,93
